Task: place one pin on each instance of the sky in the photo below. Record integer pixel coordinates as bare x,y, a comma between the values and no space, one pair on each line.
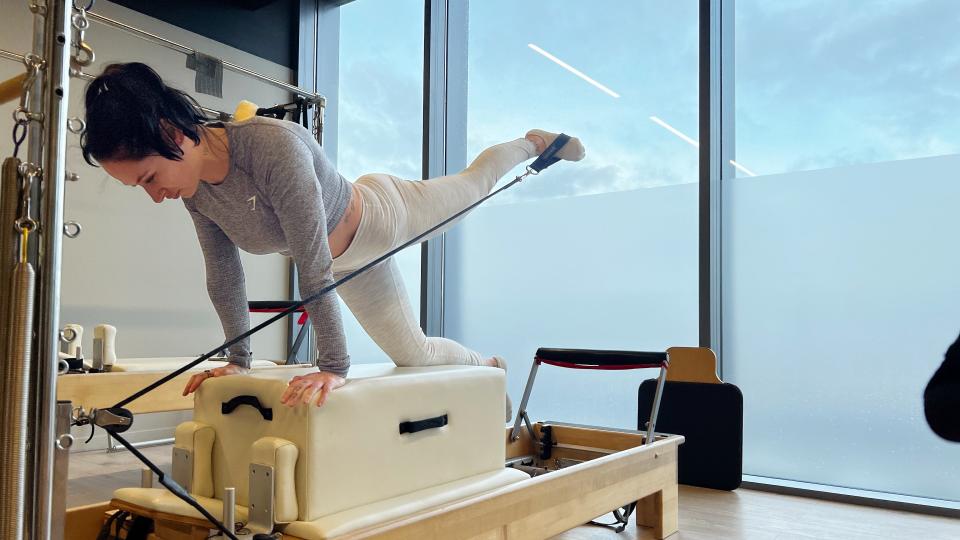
817,84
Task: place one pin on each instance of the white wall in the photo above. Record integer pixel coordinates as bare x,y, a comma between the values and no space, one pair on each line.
137,265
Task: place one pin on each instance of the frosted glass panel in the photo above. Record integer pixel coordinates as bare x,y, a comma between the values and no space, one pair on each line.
522,276
381,119
596,254
840,291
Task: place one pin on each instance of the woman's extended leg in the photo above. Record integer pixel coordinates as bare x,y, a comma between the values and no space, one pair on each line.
380,303
394,211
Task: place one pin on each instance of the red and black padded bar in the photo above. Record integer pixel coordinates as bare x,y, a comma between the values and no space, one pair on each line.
276,306
596,359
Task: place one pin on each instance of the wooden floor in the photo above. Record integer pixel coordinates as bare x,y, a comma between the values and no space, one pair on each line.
704,514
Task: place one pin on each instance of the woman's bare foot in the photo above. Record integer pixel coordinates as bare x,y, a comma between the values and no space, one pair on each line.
572,151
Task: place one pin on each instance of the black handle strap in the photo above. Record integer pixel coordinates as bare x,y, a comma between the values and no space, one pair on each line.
413,426
229,406
548,157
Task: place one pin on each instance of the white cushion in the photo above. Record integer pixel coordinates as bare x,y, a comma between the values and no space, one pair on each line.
341,523
161,500
197,439
351,450
388,510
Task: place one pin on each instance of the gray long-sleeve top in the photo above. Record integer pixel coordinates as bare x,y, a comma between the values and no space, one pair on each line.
281,195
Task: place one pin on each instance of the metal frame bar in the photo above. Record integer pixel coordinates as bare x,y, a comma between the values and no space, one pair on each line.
147,36
56,90
444,135
113,447
212,113
709,198
528,389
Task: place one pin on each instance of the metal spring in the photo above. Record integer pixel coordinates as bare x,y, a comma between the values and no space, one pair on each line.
15,380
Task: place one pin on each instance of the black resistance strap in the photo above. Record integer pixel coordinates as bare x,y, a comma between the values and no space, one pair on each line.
547,158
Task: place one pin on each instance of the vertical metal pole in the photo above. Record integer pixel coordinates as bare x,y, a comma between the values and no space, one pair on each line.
61,469
717,140
57,31
444,136
229,509
146,476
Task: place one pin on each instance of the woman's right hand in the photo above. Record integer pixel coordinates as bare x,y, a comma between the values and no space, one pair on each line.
197,380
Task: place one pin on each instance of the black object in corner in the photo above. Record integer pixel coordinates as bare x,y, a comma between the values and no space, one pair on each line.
710,417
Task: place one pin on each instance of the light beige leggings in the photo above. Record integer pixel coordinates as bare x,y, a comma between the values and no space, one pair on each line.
395,211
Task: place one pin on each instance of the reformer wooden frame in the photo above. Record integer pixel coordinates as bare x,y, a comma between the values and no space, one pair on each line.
615,468
618,470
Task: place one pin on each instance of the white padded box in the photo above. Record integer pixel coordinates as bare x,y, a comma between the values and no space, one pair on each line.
353,467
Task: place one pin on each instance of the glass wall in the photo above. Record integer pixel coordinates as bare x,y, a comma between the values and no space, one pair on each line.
600,253
381,118
839,259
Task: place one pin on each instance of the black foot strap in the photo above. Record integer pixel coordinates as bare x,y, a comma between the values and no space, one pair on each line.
548,157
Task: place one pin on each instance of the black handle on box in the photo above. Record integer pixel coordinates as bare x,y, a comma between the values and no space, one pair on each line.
414,426
229,406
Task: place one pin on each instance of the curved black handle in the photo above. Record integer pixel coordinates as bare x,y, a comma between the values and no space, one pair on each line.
413,426
229,406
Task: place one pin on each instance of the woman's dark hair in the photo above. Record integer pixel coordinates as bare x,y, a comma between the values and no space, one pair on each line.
131,114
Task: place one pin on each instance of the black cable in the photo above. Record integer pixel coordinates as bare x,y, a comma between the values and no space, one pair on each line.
321,292
172,486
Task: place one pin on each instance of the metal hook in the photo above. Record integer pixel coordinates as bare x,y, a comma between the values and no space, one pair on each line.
84,48
33,61
25,224
29,170
76,125
72,229
68,335
80,20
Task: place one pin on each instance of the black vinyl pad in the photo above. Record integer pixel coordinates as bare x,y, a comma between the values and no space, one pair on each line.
602,358
710,417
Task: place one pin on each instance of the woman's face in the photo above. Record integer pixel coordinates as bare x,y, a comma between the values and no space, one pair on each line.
160,177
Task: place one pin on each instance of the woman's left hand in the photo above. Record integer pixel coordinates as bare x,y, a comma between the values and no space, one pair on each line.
304,388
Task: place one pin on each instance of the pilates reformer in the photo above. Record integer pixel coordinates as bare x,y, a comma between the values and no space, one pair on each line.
630,450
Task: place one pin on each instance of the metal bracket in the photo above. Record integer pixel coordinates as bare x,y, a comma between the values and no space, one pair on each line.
183,468
261,498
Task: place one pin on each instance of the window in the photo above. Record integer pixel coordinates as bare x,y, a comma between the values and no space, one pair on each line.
600,253
381,117
839,264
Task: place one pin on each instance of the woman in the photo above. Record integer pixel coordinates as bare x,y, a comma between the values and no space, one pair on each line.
265,186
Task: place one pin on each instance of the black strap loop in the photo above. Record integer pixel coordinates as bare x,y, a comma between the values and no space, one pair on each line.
414,426
548,157
229,406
